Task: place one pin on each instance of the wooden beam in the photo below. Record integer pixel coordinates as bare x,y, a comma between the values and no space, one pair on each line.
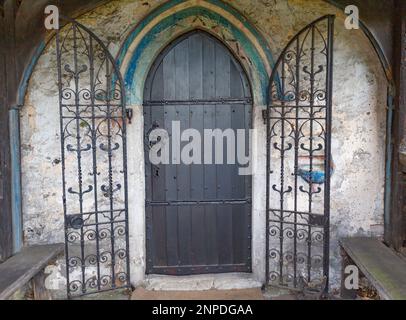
395,233
38,286
24,266
6,79
4,215
379,264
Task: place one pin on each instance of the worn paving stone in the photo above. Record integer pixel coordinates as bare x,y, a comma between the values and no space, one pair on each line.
240,294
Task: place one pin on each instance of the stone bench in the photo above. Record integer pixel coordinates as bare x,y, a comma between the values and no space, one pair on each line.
26,266
384,269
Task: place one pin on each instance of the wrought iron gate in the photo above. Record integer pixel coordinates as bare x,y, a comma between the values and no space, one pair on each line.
299,163
93,146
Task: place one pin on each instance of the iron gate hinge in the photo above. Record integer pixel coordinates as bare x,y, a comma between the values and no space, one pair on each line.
74,221
265,115
129,113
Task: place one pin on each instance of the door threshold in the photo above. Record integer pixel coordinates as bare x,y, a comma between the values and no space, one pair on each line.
219,281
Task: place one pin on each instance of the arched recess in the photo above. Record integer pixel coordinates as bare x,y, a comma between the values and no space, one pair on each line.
132,48
136,57
142,46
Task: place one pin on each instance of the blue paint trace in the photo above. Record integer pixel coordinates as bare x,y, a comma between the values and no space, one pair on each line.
312,177
316,175
16,180
151,37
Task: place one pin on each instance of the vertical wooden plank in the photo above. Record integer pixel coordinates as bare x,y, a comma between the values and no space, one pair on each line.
209,80
8,87
157,176
169,76
199,250
210,194
148,184
159,235
157,85
240,120
38,287
198,245
402,106
10,11
181,52
236,83
210,188
158,170
196,67
148,167
170,169
183,171
171,194
247,222
224,171
395,226
3,213
238,181
239,114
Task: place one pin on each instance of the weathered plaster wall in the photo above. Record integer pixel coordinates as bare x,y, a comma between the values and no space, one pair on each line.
359,116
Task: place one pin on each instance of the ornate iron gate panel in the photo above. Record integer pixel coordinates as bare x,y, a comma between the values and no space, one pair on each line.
93,146
299,164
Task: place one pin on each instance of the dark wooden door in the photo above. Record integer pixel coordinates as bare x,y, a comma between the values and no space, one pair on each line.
198,216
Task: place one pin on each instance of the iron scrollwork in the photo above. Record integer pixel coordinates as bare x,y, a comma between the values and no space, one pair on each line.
93,144
299,163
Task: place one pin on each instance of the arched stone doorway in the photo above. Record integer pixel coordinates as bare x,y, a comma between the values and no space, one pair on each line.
359,108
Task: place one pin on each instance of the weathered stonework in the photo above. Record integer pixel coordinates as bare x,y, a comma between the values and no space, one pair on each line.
358,136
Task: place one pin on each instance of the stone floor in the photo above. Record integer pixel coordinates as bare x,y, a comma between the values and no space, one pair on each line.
108,295
141,293
234,294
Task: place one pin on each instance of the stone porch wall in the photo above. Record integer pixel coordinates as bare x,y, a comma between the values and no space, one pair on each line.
358,137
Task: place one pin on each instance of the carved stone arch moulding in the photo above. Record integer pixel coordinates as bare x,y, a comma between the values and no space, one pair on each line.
171,20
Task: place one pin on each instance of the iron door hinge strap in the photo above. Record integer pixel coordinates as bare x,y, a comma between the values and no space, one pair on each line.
129,114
